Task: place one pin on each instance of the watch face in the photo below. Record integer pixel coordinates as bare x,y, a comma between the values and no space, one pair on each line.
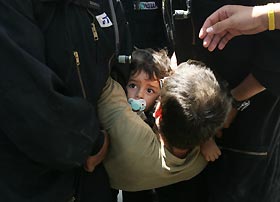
240,105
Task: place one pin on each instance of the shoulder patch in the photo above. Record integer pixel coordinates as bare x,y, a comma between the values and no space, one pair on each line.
104,20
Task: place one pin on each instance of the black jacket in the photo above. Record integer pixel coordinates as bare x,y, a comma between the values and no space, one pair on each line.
147,24
248,169
52,73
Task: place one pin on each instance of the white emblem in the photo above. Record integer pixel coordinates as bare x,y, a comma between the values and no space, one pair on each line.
104,20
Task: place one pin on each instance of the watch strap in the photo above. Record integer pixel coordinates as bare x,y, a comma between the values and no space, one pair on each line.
240,105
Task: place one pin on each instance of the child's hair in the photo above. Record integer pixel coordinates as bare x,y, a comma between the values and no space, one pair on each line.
155,63
194,105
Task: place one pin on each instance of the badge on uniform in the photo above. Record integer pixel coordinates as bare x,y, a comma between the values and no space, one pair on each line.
104,20
143,5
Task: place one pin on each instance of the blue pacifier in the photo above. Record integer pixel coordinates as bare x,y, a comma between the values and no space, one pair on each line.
137,105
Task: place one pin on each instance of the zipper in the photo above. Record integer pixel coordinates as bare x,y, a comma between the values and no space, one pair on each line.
93,26
94,32
78,64
193,32
253,153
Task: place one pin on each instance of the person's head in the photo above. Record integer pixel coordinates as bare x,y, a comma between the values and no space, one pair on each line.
192,107
147,68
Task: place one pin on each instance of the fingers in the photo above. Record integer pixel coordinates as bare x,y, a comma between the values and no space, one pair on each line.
217,40
213,156
219,27
207,40
223,42
216,30
208,24
93,161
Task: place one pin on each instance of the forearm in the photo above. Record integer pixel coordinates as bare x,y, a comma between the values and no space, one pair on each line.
247,88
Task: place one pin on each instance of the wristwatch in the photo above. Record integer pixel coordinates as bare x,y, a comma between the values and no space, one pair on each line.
240,105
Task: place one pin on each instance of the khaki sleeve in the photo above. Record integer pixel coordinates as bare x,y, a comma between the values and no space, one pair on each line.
136,159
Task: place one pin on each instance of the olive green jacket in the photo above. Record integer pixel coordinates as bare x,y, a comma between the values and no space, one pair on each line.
137,159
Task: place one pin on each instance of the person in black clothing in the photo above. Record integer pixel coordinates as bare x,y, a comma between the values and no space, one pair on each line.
248,169
54,63
148,30
147,25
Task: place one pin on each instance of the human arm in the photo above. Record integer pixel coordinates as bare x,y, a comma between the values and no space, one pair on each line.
136,150
38,115
233,20
96,159
248,88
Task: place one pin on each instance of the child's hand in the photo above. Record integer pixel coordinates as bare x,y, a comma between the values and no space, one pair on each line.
210,150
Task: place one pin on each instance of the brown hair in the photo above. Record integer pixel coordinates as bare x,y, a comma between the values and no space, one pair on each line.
155,63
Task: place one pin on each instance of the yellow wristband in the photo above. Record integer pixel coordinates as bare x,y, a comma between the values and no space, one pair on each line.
271,19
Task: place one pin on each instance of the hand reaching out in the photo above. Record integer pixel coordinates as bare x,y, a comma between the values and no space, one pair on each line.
230,21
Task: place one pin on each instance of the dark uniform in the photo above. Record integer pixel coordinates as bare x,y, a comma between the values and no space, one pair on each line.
146,24
54,63
248,169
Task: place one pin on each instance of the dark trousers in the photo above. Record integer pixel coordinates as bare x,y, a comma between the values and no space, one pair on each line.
193,190
94,187
140,196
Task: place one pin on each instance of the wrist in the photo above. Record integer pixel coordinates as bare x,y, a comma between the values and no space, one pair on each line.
260,17
240,105
239,102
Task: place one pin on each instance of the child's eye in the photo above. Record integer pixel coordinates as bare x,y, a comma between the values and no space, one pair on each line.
150,91
131,85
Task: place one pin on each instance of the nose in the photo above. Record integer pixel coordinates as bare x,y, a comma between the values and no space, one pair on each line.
140,94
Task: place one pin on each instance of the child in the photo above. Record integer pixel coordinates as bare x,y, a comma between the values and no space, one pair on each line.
148,67
192,107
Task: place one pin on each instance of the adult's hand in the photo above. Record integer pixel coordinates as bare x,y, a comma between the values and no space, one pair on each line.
96,159
230,21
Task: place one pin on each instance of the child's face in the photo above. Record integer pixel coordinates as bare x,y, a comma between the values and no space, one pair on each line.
140,86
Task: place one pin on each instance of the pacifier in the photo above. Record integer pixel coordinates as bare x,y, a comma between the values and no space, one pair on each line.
137,105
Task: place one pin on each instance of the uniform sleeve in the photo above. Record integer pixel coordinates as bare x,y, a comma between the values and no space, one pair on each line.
36,114
266,60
